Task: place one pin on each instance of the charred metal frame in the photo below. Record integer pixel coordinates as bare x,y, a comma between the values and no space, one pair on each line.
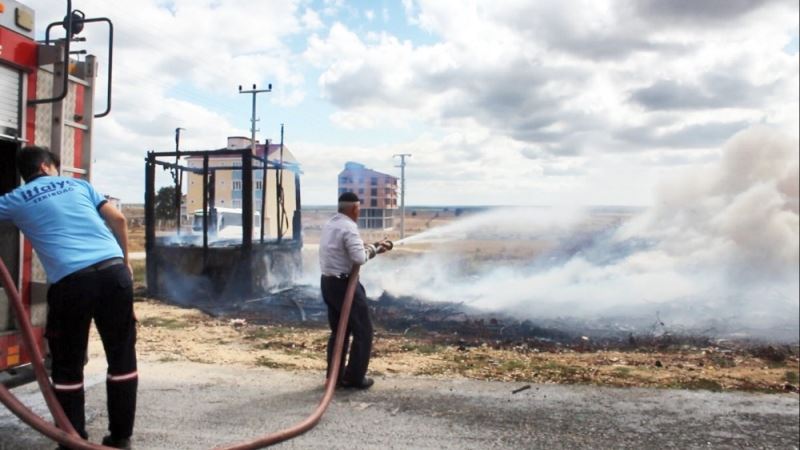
244,262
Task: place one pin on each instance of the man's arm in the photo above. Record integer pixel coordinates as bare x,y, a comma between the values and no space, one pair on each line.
119,227
359,253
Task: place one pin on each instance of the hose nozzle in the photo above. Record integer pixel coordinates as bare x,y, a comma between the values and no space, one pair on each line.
383,246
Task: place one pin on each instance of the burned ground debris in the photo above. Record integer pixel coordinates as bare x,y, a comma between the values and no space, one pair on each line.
188,334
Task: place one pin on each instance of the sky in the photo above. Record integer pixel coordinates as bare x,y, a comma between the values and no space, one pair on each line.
581,102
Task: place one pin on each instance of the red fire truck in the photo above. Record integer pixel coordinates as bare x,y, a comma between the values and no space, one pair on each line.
46,98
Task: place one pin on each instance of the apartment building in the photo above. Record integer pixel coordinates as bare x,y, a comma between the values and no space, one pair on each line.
377,192
228,189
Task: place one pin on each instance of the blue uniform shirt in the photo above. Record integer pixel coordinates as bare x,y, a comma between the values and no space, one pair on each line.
60,216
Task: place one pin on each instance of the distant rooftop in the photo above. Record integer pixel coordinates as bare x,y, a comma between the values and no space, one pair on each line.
354,167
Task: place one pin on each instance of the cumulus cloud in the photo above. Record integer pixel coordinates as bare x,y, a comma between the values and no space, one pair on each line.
695,135
715,91
571,79
551,88
701,13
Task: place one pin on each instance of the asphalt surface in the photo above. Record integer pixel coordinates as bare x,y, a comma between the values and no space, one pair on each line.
199,406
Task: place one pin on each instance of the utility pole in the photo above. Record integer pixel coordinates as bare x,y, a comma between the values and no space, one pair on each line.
253,119
402,167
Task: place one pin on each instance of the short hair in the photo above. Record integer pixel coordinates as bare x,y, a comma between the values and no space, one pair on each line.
347,200
348,197
30,158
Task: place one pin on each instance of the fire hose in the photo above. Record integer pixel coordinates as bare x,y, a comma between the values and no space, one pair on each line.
330,383
66,435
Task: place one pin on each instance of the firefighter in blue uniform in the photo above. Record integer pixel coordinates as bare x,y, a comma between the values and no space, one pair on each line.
82,242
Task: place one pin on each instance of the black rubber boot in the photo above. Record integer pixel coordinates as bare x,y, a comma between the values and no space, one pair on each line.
110,441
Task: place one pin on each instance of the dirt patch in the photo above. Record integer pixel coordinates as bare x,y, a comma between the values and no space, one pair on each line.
169,333
136,238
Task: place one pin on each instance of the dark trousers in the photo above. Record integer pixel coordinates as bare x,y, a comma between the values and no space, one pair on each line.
107,297
359,326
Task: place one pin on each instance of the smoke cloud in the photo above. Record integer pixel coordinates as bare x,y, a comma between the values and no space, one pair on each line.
718,253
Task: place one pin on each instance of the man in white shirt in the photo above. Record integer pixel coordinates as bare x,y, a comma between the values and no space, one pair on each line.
340,248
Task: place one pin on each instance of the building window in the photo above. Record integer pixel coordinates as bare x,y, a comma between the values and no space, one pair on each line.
361,191
237,185
237,203
373,202
373,192
373,181
342,191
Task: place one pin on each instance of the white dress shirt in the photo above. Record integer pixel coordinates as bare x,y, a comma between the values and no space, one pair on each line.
340,246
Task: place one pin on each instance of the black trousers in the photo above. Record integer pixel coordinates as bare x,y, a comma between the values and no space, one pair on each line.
359,326
107,297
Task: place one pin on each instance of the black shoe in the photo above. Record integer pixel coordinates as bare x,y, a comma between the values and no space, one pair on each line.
110,441
366,383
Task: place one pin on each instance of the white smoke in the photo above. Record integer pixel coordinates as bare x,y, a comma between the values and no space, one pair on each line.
718,252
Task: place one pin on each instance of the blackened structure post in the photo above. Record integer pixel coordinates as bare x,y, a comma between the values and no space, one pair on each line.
178,189
212,199
297,220
149,222
206,212
264,190
247,221
178,180
280,207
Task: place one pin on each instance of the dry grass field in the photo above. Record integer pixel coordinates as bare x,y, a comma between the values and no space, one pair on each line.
168,333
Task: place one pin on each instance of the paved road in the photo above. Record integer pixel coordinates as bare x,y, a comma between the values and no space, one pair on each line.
198,406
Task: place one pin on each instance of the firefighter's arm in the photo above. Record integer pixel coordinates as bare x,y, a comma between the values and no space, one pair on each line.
119,227
359,253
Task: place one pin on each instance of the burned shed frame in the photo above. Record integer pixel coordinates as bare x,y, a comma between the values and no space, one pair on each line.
185,267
